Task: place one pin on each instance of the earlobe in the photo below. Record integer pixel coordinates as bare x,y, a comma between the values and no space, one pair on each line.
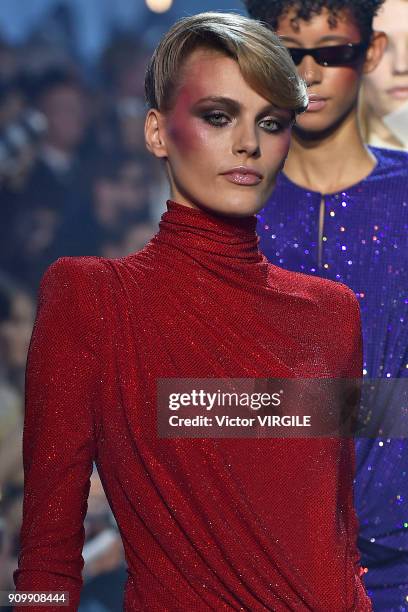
375,51
154,133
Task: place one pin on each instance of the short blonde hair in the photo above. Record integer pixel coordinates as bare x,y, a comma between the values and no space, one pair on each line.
264,62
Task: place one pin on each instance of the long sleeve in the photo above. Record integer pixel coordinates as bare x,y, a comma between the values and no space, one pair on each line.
59,439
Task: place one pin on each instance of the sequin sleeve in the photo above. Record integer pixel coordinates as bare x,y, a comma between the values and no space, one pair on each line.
59,441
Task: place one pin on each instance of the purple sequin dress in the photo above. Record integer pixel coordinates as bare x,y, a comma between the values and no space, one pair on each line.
360,237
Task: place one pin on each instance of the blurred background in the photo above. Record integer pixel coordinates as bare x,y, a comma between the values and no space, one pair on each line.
76,179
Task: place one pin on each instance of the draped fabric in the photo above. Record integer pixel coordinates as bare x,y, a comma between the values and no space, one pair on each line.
207,524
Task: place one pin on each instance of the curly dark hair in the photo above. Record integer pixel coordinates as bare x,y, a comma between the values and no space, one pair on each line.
271,11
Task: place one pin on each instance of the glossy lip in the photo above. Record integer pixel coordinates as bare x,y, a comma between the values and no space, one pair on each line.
316,98
243,170
242,175
316,103
398,92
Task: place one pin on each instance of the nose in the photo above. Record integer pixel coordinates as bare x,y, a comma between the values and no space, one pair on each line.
400,56
310,71
246,140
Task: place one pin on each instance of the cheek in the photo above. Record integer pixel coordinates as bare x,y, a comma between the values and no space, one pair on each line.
345,82
285,142
187,134
277,148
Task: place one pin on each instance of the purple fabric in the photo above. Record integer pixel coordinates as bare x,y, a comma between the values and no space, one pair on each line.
362,242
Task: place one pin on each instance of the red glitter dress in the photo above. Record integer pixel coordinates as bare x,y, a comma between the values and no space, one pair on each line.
207,524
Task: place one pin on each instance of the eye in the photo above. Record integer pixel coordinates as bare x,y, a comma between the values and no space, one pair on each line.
215,119
272,125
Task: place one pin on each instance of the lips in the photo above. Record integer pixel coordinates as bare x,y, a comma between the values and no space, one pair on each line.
316,103
242,175
399,93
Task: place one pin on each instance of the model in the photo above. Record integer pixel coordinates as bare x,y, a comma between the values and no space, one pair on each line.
385,90
340,211
207,524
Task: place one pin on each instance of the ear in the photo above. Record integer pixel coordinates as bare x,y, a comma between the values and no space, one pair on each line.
154,131
375,52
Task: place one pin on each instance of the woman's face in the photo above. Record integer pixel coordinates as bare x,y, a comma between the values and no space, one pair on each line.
387,86
218,123
333,90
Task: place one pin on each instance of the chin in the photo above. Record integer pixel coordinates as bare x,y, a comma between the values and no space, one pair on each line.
228,209
313,123
316,128
242,207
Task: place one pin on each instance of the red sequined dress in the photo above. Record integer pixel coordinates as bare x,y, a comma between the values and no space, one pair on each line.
207,524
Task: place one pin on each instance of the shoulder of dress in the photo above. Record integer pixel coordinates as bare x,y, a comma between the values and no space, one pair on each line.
397,154
71,291
74,270
73,283
322,291
77,264
392,162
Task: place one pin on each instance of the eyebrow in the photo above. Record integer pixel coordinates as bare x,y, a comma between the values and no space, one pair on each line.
235,106
329,38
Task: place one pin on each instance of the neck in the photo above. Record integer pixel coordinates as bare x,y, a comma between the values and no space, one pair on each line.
331,162
232,241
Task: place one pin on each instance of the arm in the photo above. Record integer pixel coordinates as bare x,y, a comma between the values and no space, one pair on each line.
59,441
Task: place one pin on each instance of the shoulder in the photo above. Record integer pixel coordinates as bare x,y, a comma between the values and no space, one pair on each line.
70,302
391,161
393,155
74,274
70,286
327,313
72,267
315,287
325,304
90,282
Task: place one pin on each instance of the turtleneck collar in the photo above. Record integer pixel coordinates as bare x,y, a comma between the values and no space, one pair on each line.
191,229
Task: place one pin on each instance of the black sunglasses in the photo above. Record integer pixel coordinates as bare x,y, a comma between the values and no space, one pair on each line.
337,55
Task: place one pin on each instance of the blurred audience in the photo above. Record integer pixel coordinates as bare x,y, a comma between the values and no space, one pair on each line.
118,199
61,98
75,179
16,321
63,101
385,97
123,65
